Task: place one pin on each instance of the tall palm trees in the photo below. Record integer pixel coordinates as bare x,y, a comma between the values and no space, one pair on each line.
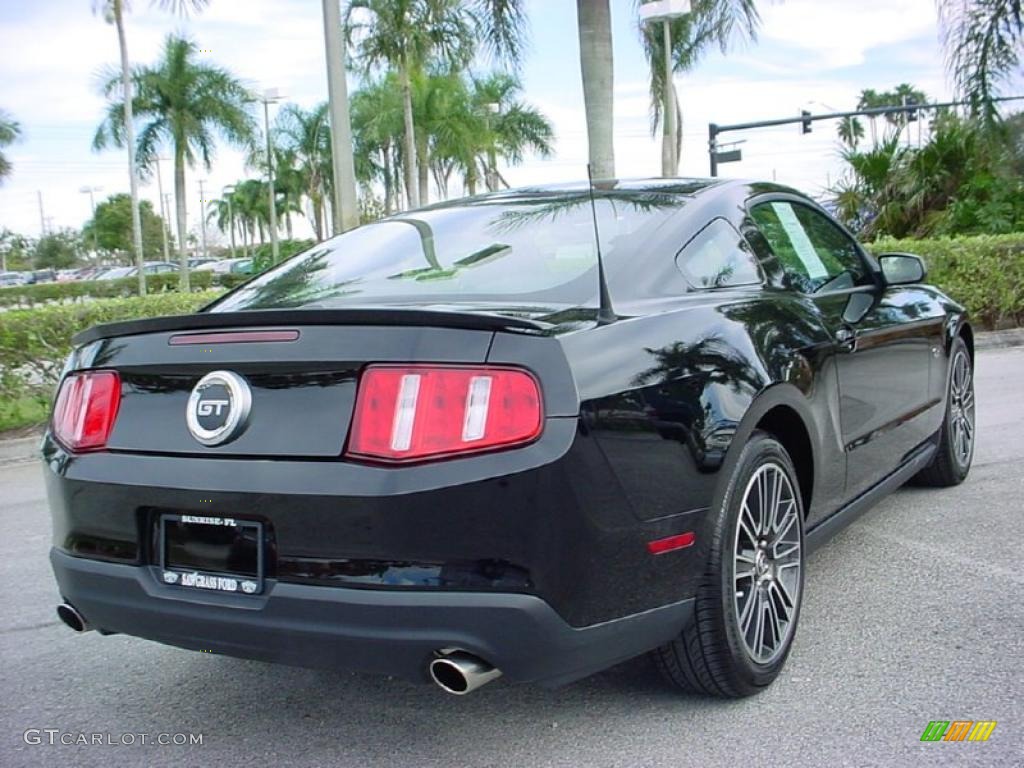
405,35
184,104
113,12
984,42
9,133
305,134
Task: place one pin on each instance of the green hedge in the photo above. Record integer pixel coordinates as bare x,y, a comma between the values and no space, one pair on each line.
985,273
27,296
35,342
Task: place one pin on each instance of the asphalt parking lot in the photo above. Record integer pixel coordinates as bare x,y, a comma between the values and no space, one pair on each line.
914,613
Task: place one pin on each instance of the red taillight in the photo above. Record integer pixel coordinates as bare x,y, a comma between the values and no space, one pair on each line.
86,409
416,412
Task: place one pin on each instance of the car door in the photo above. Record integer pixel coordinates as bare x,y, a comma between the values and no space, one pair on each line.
884,337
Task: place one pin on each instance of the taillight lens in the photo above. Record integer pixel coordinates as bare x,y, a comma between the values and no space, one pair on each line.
86,408
417,412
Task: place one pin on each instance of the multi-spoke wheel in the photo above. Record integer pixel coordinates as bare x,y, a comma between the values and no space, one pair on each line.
767,563
749,600
955,450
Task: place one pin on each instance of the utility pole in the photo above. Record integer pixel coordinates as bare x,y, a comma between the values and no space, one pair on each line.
270,96
228,192
202,215
163,213
346,204
42,214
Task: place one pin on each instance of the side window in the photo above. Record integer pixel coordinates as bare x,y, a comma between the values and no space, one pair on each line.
718,257
815,254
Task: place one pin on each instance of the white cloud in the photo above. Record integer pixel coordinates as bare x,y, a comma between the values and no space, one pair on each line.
839,34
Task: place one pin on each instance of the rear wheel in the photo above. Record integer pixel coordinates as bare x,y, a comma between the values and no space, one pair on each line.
749,601
952,460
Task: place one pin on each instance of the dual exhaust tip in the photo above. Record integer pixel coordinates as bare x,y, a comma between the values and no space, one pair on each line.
455,672
458,672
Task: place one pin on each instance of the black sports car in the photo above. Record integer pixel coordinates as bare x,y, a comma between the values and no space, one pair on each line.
465,441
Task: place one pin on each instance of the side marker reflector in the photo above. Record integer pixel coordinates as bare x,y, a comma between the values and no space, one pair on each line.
672,543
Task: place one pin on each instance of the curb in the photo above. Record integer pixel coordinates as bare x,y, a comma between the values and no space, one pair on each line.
19,449
1012,337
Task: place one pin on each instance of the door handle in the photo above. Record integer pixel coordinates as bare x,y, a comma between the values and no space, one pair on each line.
846,338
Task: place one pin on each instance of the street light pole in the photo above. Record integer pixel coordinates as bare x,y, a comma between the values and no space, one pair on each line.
202,215
270,96
228,192
666,11
163,213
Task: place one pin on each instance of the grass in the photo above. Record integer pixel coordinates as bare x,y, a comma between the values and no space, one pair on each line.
22,412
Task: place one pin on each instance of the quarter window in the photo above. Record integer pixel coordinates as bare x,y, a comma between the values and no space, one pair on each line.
718,257
815,254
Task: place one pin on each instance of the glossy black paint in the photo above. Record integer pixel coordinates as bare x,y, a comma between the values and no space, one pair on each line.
644,417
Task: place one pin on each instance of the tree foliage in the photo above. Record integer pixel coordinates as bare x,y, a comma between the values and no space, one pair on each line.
10,130
111,228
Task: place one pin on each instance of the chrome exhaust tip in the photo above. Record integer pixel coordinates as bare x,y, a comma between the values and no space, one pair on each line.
67,613
459,673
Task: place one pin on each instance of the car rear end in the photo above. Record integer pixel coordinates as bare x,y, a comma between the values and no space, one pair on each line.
402,486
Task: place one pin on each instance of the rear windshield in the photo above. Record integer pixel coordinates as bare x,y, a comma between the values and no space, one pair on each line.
505,249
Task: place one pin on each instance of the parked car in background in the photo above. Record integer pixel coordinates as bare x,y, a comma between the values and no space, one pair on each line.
150,268
241,266
195,263
9,279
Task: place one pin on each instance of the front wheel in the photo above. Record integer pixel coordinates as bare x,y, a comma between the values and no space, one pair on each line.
748,603
955,451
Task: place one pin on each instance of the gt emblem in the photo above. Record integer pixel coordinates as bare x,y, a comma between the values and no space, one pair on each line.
218,408
211,407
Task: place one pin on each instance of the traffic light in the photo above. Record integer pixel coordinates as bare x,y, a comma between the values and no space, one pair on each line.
805,124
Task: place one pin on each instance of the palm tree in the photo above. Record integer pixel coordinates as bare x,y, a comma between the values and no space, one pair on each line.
851,131
710,23
984,40
113,12
594,22
377,126
512,127
406,35
306,136
184,103
9,133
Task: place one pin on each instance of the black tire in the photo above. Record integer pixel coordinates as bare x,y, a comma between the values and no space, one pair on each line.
951,464
711,655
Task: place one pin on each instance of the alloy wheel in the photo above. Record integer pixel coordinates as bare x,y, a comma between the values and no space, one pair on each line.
767,561
961,410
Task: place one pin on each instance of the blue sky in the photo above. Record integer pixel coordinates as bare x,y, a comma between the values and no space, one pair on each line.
811,54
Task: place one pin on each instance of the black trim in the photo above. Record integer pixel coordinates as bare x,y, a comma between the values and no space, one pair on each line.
833,524
368,630
290,317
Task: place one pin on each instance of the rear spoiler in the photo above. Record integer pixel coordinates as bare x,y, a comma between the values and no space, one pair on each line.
288,317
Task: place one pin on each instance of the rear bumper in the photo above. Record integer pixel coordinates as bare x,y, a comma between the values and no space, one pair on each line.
375,630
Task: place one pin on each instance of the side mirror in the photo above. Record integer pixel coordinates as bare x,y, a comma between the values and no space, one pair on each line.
902,268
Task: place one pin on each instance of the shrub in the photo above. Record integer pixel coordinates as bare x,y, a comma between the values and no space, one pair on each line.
35,342
985,273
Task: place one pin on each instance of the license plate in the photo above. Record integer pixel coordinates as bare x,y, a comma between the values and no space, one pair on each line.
220,554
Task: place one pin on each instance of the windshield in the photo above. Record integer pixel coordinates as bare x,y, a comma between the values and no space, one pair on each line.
514,248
